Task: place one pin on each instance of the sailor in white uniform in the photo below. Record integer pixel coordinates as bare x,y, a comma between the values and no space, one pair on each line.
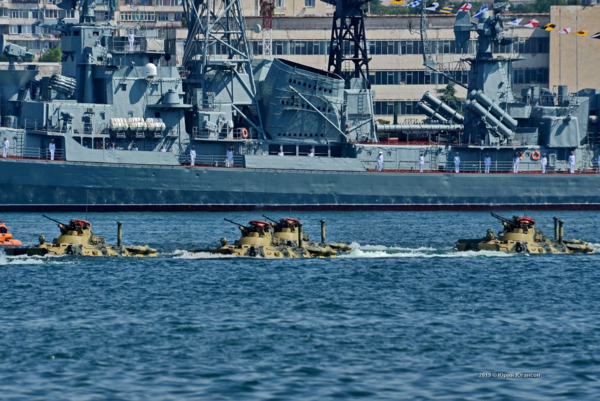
421,162
311,153
516,161
163,149
193,155
572,163
487,161
380,161
6,146
280,153
134,148
131,40
598,163
230,157
457,163
52,148
544,162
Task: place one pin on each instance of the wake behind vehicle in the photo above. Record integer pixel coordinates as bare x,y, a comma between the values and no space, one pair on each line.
77,238
277,240
520,235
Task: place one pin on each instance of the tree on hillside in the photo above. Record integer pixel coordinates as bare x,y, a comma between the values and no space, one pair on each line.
448,95
52,56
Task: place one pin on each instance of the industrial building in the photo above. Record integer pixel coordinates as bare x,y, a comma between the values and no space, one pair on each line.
302,31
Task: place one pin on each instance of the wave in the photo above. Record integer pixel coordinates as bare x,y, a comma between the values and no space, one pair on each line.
381,251
201,255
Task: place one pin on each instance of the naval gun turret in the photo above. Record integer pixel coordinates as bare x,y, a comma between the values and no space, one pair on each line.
520,235
14,53
77,238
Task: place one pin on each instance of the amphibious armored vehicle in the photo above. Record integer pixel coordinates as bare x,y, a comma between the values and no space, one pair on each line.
77,238
280,239
6,238
520,235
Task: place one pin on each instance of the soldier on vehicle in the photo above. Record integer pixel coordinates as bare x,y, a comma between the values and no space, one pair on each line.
487,161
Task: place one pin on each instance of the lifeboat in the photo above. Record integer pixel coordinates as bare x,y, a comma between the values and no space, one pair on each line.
6,238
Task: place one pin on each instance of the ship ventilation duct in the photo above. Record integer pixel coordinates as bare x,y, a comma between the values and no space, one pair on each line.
500,114
481,111
63,84
442,108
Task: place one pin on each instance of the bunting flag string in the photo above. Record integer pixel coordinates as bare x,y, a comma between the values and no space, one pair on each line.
481,11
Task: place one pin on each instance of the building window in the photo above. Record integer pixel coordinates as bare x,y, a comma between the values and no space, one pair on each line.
163,16
279,3
309,3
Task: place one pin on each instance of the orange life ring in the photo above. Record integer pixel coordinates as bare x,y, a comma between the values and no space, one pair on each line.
244,133
535,155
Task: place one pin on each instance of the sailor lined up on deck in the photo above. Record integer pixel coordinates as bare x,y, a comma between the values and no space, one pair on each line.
163,149
52,148
230,156
380,161
311,153
572,163
421,162
599,163
280,153
131,40
134,147
111,146
192,156
487,162
457,163
6,146
544,162
516,161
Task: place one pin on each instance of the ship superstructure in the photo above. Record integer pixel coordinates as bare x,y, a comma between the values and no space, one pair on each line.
125,121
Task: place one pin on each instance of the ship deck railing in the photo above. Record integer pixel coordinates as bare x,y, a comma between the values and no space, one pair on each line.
225,134
472,166
212,160
22,152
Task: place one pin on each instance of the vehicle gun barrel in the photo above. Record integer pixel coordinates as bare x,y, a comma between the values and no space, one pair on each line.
505,220
233,222
56,221
268,218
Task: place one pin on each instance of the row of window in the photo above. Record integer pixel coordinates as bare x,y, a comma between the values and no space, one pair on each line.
401,106
29,29
35,14
398,47
520,76
146,16
172,3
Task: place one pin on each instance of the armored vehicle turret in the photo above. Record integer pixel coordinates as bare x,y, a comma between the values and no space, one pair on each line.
279,239
77,238
520,235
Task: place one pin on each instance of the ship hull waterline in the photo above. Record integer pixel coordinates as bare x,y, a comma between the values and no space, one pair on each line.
72,186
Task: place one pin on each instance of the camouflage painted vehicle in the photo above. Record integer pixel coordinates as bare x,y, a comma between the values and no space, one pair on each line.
521,236
277,240
77,238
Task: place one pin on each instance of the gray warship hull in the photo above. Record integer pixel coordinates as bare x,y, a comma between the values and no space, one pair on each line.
71,186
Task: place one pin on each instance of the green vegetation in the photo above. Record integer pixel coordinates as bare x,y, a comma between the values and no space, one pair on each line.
448,95
51,56
183,23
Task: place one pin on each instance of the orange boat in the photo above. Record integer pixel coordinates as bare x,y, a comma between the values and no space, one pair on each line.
6,238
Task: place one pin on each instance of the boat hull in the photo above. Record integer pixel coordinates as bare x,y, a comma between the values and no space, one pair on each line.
72,186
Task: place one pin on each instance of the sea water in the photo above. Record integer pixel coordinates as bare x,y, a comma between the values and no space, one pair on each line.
403,316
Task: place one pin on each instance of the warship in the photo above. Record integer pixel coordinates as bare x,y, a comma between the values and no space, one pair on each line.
281,239
520,235
77,238
124,117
